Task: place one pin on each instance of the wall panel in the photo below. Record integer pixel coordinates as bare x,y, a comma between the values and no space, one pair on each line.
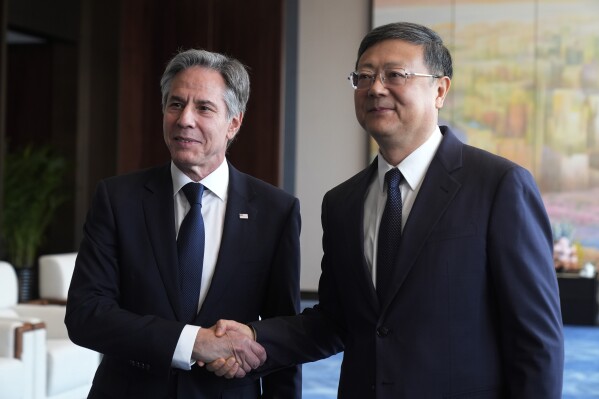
152,31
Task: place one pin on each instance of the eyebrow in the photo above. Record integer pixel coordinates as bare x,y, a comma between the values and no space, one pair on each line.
385,66
198,102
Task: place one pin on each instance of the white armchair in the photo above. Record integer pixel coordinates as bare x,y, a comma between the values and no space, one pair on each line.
17,357
62,370
55,272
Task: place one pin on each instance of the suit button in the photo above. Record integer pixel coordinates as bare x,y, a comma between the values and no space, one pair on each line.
382,331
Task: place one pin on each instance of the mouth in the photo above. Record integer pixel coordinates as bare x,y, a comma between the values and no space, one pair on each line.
378,106
186,140
378,109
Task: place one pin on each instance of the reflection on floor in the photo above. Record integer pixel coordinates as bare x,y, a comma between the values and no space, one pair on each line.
581,375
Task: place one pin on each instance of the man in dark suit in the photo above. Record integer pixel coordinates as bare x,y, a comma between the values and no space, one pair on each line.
469,307
127,295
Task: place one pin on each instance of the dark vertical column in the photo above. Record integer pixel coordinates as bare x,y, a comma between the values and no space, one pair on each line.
136,86
152,31
290,95
254,35
98,100
3,29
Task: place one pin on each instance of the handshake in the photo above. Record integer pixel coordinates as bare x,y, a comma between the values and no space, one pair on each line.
228,349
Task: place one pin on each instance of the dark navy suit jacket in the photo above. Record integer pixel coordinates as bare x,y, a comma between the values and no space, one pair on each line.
474,309
124,298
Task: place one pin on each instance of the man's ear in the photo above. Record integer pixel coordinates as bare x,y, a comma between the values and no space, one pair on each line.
443,84
234,126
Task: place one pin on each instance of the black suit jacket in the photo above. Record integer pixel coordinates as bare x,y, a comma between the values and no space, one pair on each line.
474,309
124,300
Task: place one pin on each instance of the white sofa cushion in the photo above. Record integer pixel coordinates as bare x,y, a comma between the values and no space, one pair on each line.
12,379
69,366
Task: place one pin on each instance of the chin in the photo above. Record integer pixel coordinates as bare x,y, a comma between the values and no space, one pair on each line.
378,133
183,160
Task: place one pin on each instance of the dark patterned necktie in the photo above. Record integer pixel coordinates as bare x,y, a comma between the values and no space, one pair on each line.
389,234
190,246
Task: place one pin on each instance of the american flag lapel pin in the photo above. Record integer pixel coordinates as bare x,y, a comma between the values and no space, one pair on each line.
243,216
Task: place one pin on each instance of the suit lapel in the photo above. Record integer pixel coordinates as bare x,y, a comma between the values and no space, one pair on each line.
158,206
355,231
436,193
240,195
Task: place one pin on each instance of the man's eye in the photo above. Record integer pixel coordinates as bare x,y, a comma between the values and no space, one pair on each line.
395,74
364,76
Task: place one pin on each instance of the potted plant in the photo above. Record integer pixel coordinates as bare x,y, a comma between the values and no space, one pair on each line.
32,191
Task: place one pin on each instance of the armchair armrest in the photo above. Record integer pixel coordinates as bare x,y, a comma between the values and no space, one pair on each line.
25,342
52,315
11,337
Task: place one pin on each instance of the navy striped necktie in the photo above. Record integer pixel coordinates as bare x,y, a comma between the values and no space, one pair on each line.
190,247
389,234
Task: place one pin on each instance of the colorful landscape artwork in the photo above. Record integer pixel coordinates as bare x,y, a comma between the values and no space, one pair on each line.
526,87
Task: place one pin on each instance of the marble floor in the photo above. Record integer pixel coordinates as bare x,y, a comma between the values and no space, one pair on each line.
581,374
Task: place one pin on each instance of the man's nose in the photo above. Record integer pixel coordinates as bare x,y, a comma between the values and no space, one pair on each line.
378,84
186,118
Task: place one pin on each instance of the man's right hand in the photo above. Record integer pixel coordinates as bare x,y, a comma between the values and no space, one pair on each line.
224,326
236,353
226,367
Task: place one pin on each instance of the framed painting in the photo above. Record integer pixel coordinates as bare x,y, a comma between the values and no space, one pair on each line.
526,87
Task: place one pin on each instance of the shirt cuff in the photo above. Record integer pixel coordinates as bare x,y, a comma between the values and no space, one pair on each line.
182,356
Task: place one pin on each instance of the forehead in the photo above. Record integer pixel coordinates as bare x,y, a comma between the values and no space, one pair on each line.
392,53
198,79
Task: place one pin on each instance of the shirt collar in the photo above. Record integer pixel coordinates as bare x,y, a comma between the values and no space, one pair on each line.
217,181
413,168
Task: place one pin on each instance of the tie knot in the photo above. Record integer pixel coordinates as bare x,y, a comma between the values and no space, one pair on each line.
393,178
193,192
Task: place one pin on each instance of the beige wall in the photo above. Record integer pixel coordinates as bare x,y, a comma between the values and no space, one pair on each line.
331,146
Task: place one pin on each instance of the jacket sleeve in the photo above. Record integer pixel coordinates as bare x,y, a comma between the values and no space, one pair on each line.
312,335
98,317
283,299
525,285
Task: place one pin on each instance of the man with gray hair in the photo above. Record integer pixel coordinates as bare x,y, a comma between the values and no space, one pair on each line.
168,251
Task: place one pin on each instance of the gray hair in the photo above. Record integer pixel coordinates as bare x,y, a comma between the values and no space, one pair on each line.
436,56
237,80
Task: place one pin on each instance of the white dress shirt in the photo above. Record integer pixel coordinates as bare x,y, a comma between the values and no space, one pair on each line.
214,204
413,169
